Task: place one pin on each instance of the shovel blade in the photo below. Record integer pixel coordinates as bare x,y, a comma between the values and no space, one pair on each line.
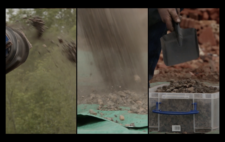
180,49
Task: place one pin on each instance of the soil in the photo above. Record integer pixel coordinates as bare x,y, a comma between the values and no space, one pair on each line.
187,86
202,120
201,74
113,101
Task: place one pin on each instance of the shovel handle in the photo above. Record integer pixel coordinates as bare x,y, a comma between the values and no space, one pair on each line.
178,31
176,26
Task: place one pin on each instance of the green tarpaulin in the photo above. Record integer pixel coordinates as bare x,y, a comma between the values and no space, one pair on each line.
88,123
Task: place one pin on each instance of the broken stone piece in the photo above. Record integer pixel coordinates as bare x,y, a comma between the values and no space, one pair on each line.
122,117
132,124
92,112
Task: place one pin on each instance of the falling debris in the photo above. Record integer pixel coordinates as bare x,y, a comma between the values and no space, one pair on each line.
69,49
60,40
38,23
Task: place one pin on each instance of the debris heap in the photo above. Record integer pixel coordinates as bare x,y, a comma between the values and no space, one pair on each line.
187,86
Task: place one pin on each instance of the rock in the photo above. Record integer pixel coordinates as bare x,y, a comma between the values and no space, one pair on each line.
162,65
99,107
168,90
100,102
92,96
92,112
191,89
122,117
217,38
205,16
122,94
110,119
139,102
191,73
207,22
132,124
200,51
207,36
133,108
113,97
141,110
156,72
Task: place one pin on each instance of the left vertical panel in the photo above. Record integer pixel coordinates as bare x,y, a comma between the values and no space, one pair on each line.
41,71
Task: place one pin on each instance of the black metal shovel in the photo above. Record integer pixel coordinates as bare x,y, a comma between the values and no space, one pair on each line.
179,46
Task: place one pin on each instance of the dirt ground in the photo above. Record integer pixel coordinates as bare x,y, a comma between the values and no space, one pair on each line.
201,70
204,69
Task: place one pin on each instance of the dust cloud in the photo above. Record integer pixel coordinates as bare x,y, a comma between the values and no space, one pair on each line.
117,42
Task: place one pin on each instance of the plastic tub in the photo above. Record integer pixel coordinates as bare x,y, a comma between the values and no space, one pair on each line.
183,112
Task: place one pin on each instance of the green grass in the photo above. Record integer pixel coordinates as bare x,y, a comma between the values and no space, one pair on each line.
41,93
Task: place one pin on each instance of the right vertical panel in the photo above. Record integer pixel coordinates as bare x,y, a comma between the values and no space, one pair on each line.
183,69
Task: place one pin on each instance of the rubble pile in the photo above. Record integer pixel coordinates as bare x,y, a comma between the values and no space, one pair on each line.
187,86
